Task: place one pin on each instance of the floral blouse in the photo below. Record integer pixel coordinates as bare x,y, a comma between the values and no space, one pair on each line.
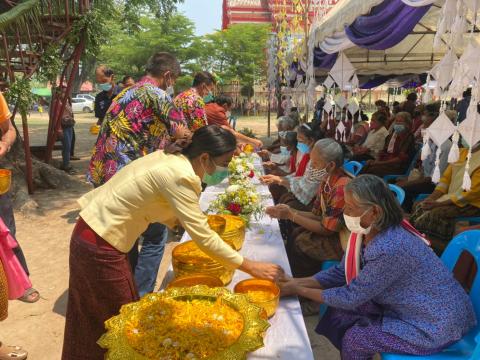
140,120
193,108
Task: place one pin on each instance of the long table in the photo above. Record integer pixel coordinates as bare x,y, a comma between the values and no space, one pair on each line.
287,337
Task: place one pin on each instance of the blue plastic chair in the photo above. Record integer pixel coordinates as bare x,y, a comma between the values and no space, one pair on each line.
415,158
399,192
353,167
325,266
468,348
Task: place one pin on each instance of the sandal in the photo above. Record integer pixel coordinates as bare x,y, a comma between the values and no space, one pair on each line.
31,296
12,353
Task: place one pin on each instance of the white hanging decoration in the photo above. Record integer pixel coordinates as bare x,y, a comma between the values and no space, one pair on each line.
328,83
342,71
471,134
472,5
328,107
353,105
340,101
436,171
426,151
445,21
459,26
454,153
443,71
340,131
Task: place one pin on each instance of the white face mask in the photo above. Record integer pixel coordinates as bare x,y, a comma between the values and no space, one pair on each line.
354,224
317,175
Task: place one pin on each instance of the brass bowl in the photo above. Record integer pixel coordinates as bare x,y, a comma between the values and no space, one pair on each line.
263,293
193,280
5,180
233,233
119,346
217,223
188,259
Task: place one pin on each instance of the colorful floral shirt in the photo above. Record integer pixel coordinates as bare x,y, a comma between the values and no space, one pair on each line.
140,120
193,108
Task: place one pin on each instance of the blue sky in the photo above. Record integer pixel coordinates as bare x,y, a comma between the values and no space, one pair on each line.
206,14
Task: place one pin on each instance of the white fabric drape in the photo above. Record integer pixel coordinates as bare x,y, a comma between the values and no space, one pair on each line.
418,3
336,43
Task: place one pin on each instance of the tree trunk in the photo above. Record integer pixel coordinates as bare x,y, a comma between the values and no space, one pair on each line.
45,176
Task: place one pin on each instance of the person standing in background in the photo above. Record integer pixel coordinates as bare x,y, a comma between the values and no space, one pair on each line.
68,123
7,139
192,101
105,79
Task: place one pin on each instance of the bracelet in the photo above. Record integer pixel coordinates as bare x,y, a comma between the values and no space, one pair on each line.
295,213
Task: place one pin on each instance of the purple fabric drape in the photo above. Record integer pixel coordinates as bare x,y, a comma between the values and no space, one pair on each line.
323,60
375,82
386,25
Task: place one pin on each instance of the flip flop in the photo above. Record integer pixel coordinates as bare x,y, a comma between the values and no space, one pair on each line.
12,353
28,298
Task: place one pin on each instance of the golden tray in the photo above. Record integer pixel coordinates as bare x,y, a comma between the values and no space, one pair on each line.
250,339
193,280
188,259
230,228
266,286
5,180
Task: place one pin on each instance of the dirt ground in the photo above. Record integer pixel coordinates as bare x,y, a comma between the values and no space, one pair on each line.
45,239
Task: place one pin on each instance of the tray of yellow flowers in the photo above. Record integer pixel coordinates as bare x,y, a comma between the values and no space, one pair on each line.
186,323
230,228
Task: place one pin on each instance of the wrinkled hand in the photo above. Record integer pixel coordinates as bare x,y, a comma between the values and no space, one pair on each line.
269,165
264,154
288,288
281,211
258,144
267,271
3,149
270,179
402,182
183,133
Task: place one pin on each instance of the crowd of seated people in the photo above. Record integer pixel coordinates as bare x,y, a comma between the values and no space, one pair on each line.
322,210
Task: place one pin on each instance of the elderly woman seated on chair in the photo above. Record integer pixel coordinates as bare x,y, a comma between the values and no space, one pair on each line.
435,216
315,236
390,293
299,188
398,150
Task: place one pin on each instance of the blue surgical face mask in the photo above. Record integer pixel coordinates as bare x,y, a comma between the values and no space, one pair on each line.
220,174
105,86
399,128
208,98
282,134
284,150
303,148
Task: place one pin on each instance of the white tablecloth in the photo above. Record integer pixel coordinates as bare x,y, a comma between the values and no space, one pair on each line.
287,337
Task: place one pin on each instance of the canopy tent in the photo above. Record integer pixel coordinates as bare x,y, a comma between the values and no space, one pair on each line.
45,92
380,37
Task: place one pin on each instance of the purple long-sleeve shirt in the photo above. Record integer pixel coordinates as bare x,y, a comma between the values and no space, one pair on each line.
422,302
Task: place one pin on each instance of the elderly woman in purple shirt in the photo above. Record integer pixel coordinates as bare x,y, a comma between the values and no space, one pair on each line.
390,293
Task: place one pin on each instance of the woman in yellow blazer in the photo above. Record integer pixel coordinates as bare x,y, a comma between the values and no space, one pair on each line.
159,187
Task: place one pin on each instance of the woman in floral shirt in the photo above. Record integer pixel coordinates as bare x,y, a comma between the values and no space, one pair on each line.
191,102
140,120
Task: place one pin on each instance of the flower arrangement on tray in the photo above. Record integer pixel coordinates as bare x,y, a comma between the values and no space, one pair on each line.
241,200
241,169
190,323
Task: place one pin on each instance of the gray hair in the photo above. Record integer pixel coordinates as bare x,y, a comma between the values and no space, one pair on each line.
330,150
406,116
286,121
370,190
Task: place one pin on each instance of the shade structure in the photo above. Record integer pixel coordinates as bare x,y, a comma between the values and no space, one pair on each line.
381,37
46,92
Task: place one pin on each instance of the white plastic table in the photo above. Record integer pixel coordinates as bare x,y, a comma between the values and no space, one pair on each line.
287,336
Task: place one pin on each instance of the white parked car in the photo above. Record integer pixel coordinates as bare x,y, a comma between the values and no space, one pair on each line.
82,105
86,96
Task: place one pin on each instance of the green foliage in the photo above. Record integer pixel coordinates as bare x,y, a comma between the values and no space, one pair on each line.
92,27
50,65
248,132
20,93
237,52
